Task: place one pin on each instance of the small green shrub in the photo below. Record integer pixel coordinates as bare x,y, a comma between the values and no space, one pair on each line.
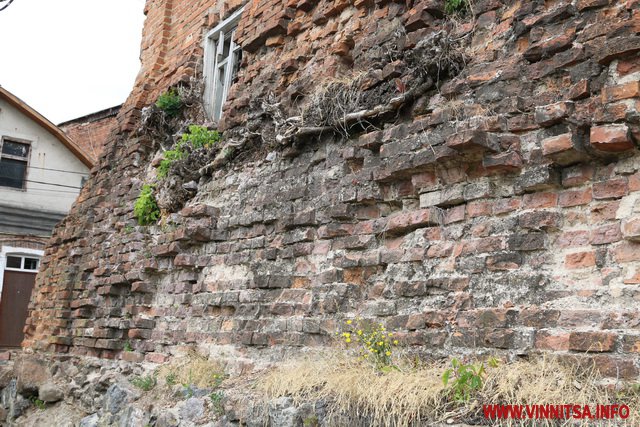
146,383
465,379
40,404
311,421
200,137
127,346
374,343
455,6
170,102
171,378
216,400
146,208
197,137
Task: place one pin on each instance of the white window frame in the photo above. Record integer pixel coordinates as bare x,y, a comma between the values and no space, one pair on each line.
26,160
213,50
11,251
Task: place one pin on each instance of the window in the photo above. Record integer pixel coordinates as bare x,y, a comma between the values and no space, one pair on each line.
14,158
222,60
22,263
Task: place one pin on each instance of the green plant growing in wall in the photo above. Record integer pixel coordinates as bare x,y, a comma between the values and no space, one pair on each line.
216,401
146,208
454,6
464,379
198,137
170,102
372,341
145,383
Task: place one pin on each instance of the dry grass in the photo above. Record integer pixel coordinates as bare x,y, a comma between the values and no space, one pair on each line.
193,370
332,100
412,396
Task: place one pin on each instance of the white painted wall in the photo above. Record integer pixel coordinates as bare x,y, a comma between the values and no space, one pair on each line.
46,152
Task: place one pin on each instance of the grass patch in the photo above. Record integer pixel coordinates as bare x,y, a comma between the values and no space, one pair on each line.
417,395
193,370
145,383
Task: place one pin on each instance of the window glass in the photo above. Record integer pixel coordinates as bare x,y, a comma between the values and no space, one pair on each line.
31,263
14,262
15,149
12,173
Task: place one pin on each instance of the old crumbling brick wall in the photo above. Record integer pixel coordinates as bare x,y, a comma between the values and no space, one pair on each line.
493,209
92,131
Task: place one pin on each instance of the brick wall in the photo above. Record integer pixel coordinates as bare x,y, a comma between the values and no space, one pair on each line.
92,132
494,210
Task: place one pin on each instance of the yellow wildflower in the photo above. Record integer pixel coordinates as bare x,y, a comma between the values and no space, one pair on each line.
380,343
395,342
359,332
388,353
348,340
349,322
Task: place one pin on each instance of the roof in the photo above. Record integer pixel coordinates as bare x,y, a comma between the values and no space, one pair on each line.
77,151
93,117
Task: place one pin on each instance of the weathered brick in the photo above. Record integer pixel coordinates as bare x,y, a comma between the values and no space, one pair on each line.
611,138
592,341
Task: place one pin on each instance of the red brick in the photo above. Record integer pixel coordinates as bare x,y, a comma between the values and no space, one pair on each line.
440,250
612,189
577,175
624,91
408,221
557,144
478,208
604,211
592,341
631,229
503,162
545,340
548,115
570,239
472,141
156,357
539,200
606,234
627,252
455,214
501,206
571,198
611,138
615,367
580,260
634,182
580,90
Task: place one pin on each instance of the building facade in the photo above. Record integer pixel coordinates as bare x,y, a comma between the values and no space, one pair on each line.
41,174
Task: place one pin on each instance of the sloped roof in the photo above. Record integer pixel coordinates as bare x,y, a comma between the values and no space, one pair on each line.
47,125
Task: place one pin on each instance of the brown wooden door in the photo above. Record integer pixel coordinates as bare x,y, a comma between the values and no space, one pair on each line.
16,292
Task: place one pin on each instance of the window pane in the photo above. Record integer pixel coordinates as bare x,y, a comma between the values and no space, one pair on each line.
15,148
12,173
31,263
14,262
227,46
236,65
218,101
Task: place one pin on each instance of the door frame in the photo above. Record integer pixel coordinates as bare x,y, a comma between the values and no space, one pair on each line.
9,250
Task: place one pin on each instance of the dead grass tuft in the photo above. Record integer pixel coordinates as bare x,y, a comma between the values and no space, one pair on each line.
193,370
413,396
332,100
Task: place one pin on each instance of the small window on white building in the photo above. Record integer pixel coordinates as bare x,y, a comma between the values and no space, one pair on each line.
14,159
222,59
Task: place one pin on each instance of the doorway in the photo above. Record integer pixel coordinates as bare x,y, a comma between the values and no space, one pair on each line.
18,280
